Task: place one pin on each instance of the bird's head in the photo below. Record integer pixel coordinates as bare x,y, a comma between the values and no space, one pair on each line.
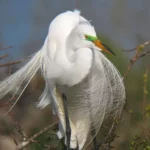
84,35
76,32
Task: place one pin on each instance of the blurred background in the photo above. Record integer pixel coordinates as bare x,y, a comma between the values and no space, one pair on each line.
120,24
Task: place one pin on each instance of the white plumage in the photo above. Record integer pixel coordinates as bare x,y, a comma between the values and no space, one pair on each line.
72,65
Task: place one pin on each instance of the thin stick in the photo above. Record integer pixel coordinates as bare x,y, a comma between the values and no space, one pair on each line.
11,63
138,55
143,54
25,143
141,45
4,56
5,47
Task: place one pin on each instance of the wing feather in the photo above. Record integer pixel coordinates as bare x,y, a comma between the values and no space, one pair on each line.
99,96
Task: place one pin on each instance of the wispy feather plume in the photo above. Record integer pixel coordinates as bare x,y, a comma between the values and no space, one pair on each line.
18,82
101,95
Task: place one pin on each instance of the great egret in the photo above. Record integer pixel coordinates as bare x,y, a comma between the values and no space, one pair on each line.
72,63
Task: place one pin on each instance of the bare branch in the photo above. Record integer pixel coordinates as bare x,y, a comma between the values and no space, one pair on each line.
41,144
11,63
18,127
141,45
139,54
4,48
130,50
4,56
27,142
143,54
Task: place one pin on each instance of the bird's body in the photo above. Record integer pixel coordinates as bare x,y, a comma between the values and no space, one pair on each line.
75,66
68,53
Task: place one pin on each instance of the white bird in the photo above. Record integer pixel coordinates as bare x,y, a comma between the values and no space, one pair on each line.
72,62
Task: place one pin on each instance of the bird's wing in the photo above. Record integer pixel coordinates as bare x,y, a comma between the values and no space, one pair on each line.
99,96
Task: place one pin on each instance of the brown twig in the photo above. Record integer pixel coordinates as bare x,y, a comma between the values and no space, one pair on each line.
11,63
143,54
41,144
19,128
27,142
4,48
4,56
138,55
143,45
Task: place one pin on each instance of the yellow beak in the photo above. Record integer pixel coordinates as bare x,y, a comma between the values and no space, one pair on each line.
103,47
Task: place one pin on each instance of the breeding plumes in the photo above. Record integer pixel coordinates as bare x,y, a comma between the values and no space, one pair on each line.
72,63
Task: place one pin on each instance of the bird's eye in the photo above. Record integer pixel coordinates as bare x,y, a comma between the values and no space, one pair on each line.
90,38
86,37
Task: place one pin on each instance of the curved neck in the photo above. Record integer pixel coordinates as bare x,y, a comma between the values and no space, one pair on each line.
68,67
79,66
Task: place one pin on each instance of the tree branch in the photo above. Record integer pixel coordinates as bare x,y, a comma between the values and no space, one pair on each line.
138,55
4,48
4,56
143,45
11,63
27,142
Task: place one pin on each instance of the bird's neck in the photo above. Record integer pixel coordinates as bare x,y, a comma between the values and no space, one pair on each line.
76,65
69,67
